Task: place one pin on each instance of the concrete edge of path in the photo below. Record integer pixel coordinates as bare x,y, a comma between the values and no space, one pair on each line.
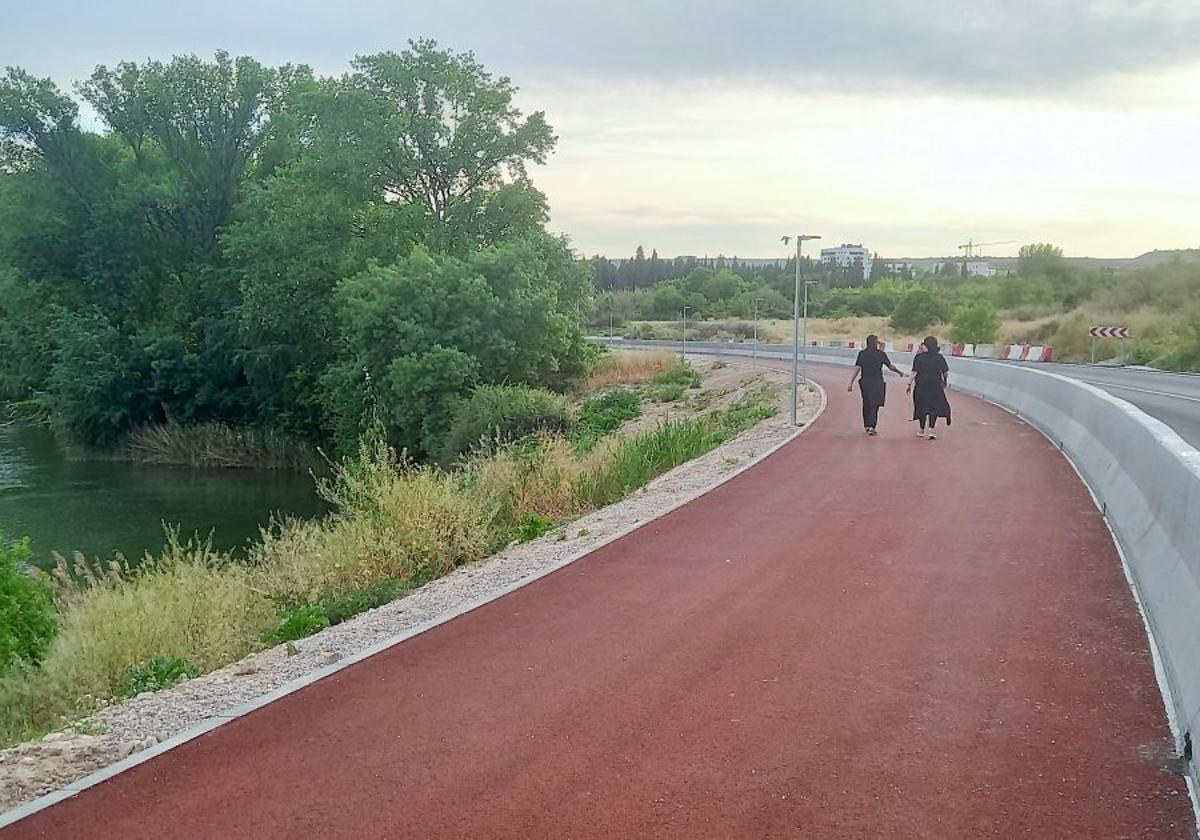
209,724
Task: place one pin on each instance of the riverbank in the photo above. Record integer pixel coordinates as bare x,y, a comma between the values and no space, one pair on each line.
113,730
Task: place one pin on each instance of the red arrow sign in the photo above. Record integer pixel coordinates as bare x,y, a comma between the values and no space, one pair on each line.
1109,332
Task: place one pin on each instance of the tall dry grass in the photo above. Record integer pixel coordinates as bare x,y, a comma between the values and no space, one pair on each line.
628,368
190,603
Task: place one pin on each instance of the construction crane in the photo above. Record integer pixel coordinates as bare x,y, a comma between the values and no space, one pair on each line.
971,247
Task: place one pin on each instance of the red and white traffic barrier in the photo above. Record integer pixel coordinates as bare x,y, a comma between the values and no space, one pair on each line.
1028,353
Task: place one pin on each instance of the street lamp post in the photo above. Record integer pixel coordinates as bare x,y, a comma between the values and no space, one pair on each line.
684,351
800,240
754,353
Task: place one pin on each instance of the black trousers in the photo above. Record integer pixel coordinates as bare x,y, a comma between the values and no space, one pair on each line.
870,414
874,394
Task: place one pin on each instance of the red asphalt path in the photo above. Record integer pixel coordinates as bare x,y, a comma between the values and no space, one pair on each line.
858,638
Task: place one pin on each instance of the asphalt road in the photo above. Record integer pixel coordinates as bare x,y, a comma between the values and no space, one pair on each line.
860,637
1173,398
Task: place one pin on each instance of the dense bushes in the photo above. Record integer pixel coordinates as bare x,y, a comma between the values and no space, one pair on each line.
26,611
916,311
283,264
495,415
975,323
605,413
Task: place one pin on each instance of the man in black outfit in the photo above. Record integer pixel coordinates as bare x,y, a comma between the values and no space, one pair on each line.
868,372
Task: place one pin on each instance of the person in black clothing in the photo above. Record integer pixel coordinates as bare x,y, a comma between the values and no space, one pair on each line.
931,375
868,372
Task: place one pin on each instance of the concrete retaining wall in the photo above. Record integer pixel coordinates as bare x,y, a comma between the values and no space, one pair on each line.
1145,477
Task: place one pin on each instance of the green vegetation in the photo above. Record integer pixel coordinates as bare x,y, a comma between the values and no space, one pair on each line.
635,460
496,415
669,385
975,323
300,622
27,622
395,525
604,414
305,243
1042,298
159,673
916,310
218,445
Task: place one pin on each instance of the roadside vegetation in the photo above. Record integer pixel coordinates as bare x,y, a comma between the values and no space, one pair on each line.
101,632
1045,299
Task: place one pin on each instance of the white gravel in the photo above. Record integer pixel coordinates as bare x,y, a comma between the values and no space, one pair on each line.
33,769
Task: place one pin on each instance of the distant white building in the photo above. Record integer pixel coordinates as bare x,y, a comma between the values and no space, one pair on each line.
847,256
975,268
896,266
980,268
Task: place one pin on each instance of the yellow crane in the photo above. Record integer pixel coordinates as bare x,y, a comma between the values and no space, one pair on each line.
971,247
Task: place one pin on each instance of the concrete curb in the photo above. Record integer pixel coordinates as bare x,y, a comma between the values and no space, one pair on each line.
208,725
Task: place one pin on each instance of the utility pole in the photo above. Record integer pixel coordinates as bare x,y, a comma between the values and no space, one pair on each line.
800,240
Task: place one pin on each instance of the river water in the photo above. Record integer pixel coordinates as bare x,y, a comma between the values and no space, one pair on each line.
98,507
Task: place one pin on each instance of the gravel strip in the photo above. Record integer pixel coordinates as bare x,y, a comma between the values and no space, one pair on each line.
39,767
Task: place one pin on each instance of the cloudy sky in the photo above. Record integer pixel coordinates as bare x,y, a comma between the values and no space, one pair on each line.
716,126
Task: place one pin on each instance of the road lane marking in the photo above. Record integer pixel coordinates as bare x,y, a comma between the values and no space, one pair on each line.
1101,384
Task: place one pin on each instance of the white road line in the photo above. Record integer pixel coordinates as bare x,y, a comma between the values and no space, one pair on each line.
1102,384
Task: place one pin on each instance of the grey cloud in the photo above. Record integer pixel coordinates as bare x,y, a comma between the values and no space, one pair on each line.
988,46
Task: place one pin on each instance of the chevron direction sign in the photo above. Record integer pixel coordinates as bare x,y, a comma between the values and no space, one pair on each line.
1109,332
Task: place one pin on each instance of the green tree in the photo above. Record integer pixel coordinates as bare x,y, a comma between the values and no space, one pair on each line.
975,323
422,332
451,142
218,251
1040,258
916,310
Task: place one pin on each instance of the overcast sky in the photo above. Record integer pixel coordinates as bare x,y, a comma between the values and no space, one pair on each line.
711,127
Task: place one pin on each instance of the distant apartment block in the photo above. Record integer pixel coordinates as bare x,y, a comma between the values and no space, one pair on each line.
980,268
847,256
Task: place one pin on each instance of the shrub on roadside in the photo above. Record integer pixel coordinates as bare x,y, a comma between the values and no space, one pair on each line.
534,477
300,622
27,623
159,673
390,520
916,310
605,413
975,323
669,385
496,415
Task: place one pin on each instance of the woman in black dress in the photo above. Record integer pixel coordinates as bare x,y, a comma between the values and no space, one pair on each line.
869,366
931,375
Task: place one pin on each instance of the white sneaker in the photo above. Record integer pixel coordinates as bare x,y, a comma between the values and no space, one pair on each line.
921,433
932,436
